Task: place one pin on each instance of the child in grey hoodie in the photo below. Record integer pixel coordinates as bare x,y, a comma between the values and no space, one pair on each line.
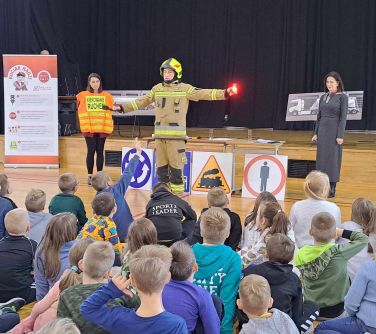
255,301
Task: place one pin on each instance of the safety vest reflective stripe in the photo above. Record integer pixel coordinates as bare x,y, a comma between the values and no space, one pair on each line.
96,121
170,94
214,94
98,128
190,90
134,105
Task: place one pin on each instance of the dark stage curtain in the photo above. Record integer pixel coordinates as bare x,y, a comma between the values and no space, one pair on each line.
271,47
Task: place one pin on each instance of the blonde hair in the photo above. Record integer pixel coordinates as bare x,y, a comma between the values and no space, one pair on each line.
60,326
150,267
67,182
100,181
73,275
255,294
215,226
4,185
17,221
217,197
323,226
35,200
317,185
98,259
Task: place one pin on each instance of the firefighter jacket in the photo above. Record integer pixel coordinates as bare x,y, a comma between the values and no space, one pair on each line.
93,115
171,106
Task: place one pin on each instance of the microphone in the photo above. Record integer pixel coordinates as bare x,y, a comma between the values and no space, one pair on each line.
104,107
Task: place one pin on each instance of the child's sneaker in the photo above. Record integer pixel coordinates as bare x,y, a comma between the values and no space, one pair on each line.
13,304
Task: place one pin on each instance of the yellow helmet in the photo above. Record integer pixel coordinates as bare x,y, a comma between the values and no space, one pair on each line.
174,65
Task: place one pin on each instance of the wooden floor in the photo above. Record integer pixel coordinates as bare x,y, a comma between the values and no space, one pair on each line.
358,168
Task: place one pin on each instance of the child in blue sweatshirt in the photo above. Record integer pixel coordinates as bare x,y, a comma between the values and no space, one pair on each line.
149,271
102,182
180,296
219,267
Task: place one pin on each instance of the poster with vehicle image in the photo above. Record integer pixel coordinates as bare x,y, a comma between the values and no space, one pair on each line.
305,106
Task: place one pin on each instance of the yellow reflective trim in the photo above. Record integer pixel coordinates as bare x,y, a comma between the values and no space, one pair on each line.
170,132
134,105
190,90
213,94
167,94
177,188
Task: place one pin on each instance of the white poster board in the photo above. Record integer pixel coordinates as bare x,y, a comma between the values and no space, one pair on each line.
264,173
30,111
211,169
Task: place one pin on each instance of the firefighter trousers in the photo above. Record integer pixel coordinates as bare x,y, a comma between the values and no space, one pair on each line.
170,156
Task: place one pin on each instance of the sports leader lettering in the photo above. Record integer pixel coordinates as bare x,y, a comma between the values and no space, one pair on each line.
95,103
212,283
164,209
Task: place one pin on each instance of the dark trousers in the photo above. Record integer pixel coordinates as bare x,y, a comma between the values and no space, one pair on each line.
28,294
310,314
219,307
8,321
188,227
94,145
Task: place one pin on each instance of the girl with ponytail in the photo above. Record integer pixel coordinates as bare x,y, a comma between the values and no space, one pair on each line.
270,220
45,310
316,189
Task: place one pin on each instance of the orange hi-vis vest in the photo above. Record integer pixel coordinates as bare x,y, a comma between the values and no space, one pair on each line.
91,114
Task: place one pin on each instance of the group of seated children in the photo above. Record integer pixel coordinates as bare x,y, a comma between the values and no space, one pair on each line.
107,274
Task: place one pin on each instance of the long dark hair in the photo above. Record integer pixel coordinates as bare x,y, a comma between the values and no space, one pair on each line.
141,232
276,219
263,197
62,228
94,75
337,78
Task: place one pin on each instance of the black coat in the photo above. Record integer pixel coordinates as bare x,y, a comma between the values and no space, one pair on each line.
285,286
168,212
235,232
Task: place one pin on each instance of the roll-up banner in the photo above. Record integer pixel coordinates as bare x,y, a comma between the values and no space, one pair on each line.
30,111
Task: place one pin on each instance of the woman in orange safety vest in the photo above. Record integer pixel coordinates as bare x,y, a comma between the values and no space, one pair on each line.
95,117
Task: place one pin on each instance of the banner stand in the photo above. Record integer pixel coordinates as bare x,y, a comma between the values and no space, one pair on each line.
30,111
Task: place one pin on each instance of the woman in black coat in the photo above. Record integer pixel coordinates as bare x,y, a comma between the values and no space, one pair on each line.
330,129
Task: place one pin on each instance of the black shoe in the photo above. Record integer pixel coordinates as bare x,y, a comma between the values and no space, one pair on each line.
14,304
332,194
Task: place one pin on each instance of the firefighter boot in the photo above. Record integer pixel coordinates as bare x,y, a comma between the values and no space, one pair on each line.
176,181
162,173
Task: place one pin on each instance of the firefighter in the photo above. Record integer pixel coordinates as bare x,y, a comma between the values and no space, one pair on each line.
171,98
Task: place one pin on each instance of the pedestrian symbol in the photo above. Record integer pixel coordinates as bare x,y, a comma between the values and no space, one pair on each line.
211,176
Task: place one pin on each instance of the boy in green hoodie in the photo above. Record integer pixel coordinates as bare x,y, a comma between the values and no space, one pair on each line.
219,267
324,264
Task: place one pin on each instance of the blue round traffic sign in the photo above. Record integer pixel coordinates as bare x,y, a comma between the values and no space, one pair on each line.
143,170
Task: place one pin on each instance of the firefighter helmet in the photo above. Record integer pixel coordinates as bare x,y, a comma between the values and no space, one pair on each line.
174,65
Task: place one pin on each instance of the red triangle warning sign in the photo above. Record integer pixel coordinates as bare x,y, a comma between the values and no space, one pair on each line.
211,176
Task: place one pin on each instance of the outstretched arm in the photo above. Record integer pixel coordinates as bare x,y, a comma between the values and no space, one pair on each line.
197,94
136,104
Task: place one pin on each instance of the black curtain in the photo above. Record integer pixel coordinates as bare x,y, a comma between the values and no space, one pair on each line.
270,47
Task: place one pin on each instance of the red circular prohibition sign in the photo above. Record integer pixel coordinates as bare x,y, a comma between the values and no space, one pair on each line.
265,157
